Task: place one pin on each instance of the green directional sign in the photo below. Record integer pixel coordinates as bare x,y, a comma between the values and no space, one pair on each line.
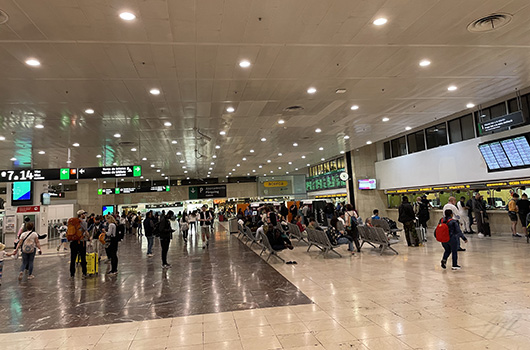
64,174
117,190
100,191
168,188
137,170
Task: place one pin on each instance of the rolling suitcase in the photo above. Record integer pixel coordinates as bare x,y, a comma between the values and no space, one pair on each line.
421,232
92,265
486,225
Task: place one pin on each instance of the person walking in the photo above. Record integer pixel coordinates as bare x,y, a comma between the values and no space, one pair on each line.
111,236
451,205
479,212
184,226
350,223
78,242
451,247
523,205
62,234
149,230
463,213
513,211
166,234
192,220
204,219
28,245
407,217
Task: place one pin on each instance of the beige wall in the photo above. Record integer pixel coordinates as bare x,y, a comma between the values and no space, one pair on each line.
363,162
88,199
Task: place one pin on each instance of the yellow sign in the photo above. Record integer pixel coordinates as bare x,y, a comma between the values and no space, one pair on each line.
332,195
276,183
496,184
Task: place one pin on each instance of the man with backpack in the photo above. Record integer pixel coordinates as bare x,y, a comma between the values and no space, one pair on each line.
448,233
407,217
77,234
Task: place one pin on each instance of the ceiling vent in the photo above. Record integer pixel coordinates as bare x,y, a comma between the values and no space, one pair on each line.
294,109
489,23
3,17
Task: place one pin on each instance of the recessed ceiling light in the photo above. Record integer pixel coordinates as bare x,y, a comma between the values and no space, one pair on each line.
178,153
260,166
32,62
114,163
303,157
210,168
222,132
354,107
185,171
75,144
76,181
342,152
346,137
214,156
2,138
251,151
279,168
317,130
380,21
127,16
272,172
385,119
287,172
133,149
308,164
181,161
321,148
281,121
89,111
263,139
244,64
42,152
117,135
340,91
160,175
244,159
248,174
290,163
217,147
174,142
157,170
145,179
152,165
167,124
368,142
212,163
470,105
166,178
187,178
268,160
98,156
311,90
253,170
230,109
408,128
183,167
452,88
144,158
234,169
39,126
141,177
208,175
13,159
154,92
238,164
280,154
295,144
425,63
322,159
296,169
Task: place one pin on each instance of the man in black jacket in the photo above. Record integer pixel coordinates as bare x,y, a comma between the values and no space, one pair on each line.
166,233
407,217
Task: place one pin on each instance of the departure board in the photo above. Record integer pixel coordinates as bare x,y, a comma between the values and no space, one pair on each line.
507,153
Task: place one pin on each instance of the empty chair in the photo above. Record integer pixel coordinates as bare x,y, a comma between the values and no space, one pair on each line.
266,246
294,231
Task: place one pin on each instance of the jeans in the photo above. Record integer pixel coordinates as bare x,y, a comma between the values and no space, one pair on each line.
113,250
27,262
150,241
451,247
192,226
164,244
344,240
1,268
77,248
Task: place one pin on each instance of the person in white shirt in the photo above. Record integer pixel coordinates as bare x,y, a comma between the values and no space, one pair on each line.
62,235
464,215
456,215
28,244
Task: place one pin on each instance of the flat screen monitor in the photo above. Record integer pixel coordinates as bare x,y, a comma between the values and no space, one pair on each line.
45,199
367,184
108,209
506,154
22,193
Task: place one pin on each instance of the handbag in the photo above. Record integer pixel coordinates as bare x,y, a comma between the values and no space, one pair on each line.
184,226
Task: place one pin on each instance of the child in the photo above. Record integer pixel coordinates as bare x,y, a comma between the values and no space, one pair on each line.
62,233
3,254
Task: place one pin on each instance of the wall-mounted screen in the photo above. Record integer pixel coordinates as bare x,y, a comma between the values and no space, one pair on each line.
506,154
367,184
22,193
45,199
108,209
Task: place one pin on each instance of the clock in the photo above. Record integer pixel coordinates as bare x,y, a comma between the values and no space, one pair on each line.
344,176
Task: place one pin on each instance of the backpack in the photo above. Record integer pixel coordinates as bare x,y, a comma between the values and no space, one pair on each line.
74,231
441,233
28,247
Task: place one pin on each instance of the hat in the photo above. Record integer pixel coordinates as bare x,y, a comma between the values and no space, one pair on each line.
81,212
2,246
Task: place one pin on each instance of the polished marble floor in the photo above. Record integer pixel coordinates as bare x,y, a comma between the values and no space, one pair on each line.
368,301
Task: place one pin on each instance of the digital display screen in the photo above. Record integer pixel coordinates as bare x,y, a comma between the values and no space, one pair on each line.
45,199
506,154
367,184
108,209
22,193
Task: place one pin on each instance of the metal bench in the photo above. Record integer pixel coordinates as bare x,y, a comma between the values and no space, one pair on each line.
376,236
266,246
250,236
294,231
385,226
320,240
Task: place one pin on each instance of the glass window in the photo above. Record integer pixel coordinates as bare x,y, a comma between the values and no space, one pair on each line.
416,142
466,123
399,147
455,131
436,136
386,146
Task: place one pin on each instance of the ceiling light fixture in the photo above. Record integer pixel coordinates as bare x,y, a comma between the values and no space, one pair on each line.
75,144
89,111
425,63
98,156
280,154
263,139
2,138
167,124
32,62
268,160
290,163
251,151
452,88
244,158
42,152
311,90
181,161
385,119
114,163
217,147
295,144
133,149
368,142
179,154
321,148
322,159
144,158
380,21
154,92
152,165
13,159
303,157
281,121
342,152
117,135
174,142
346,137
127,16
408,128
354,107
39,126
230,109
470,105
244,64
214,156
317,130
223,133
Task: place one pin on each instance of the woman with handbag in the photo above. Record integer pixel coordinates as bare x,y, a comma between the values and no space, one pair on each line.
28,243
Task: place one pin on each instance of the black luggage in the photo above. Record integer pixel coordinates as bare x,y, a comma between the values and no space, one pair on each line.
486,225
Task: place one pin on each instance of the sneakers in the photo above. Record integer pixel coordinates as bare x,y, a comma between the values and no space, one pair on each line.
461,250
517,235
58,248
149,255
443,264
456,267
166,266
20,275
30,277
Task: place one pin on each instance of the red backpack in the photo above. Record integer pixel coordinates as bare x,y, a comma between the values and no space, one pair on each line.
442,231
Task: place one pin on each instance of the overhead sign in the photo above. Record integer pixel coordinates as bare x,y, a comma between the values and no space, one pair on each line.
276,183
30,175
203,192
129,190
502,123
30,209
105,172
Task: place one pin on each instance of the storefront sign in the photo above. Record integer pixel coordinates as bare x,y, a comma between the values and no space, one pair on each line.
203,192
276,183
502,123
32,209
